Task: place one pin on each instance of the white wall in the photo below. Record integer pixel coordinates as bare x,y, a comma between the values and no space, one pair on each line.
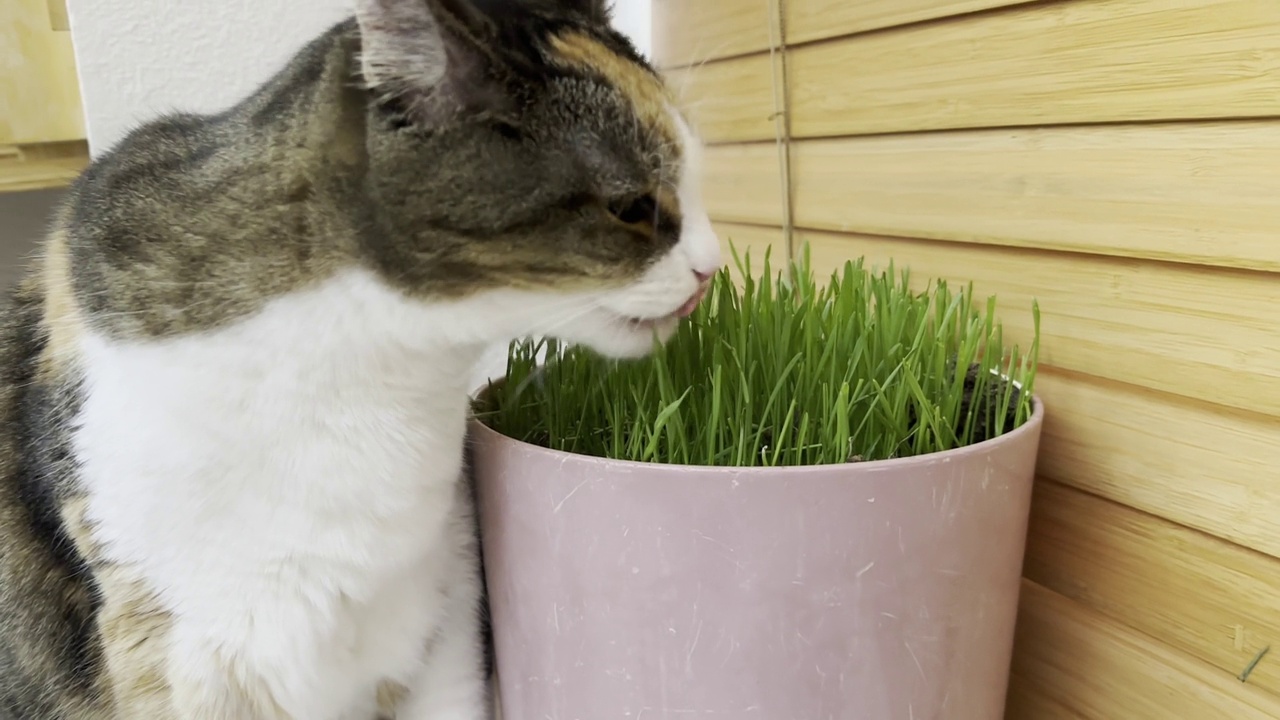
139,58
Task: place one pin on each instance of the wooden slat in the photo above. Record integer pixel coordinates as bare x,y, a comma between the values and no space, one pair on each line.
1090,61
58,17
39,88
687,32
1026,702
41,167
1105,671
809,20
729,100
1201,465
1208,598
742,183
1205,333
1197,192
751,242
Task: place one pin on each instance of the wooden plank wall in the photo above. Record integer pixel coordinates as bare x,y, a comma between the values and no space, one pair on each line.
42,131
1119,161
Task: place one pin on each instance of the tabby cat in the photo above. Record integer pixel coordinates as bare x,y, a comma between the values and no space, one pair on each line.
234,390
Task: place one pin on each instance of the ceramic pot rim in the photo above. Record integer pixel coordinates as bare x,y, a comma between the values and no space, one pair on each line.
1029,428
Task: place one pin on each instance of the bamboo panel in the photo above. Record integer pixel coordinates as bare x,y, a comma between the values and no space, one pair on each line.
751,242
1196,192
1201,465
1026,702
1090,61
742,183
39,89
41,166
1104,671
58,18
689,32
1199,332
820,19
729,100
1208,598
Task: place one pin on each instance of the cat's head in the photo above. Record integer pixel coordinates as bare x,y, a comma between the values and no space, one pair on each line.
527,164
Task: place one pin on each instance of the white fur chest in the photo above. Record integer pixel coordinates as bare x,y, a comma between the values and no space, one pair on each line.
284,484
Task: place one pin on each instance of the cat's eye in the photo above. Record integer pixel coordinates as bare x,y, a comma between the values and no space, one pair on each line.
395,114
635,210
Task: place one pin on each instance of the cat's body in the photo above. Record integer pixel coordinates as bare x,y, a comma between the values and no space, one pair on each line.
233,398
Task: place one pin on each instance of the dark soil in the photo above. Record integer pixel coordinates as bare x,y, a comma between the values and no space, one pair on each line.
984,425
986,409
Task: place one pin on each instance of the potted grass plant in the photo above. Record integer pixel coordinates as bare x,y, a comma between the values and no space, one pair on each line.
810,503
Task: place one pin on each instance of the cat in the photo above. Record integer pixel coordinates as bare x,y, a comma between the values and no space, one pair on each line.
234,390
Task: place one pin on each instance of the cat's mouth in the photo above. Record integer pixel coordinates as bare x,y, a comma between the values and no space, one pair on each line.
679,313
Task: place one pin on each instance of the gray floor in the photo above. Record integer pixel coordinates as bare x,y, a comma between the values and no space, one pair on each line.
23,218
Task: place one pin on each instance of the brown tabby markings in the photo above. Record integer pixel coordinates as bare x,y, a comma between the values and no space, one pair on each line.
299,181
62,319
646,92
648,96
131,624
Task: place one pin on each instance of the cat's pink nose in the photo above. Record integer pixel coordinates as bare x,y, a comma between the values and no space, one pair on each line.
703,277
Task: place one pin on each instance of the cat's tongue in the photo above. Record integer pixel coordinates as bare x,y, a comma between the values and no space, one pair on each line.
692,303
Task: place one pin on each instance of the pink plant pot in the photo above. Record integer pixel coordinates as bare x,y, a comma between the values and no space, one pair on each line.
871,591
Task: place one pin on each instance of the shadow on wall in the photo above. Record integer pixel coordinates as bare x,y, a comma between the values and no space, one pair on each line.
24,218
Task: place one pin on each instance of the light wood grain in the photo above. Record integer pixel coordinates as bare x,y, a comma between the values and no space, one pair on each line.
1047,63
41,167
58,18
729,100
1210,334
809,20
1201,465
39,90
1190,192
751,243
1027,702
687,32
742,183
1208,598
1103,670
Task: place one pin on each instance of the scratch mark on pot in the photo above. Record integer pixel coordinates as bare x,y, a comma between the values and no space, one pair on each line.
733,647
864,570
915,659
555,616
688,658
720,544
662,680
572,492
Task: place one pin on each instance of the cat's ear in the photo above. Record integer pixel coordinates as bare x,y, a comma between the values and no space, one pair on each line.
430,57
